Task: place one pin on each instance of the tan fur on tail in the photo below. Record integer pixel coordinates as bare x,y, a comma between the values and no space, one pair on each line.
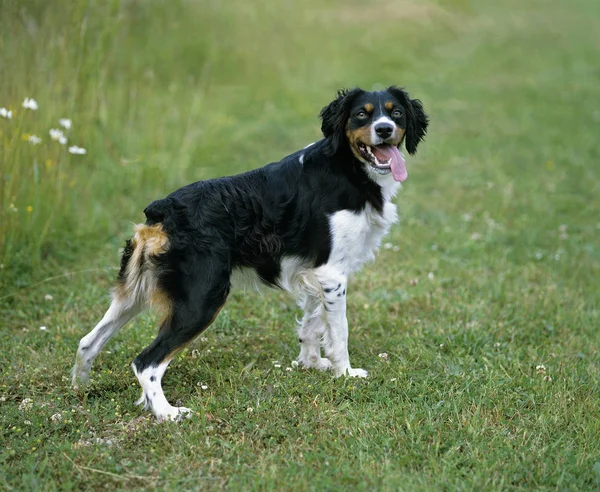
140,285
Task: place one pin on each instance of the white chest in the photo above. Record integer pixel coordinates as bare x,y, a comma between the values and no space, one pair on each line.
357,236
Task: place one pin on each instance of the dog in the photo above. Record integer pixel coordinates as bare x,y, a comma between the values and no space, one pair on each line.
303,224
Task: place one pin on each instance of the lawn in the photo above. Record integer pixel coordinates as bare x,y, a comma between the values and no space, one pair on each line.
478,323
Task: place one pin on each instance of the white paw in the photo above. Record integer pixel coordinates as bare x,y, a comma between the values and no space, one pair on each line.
319,363
356,373
352,373
174,414
79,376
323,364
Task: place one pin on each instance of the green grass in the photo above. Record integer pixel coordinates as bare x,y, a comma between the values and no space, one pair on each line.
496,270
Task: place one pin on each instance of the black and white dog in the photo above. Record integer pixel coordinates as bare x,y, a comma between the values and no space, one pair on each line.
303,224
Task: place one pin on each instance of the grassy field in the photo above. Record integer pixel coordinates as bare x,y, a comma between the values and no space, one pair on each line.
478,322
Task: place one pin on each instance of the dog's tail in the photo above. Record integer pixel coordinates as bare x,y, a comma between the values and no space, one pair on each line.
138,279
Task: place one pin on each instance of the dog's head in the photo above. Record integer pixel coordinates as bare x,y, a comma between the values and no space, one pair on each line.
374,125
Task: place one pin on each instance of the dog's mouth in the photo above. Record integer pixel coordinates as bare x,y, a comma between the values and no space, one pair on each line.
383,159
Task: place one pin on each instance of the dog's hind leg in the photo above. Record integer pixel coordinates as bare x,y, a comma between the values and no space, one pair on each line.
118,314
136,288
202,291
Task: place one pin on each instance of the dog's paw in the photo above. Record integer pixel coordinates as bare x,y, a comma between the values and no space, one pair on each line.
173,414
79,377
352,373
356,373
314,362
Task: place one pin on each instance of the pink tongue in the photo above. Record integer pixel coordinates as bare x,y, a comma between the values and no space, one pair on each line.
385,152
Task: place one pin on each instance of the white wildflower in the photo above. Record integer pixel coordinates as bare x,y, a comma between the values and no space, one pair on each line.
77,150
497,344
33,140
383,356
57,417
387,246
48,297
277,365
27,422
65,123
392,380
294,363
43,328
249,409
29,103
204,387
548,379
195,354
541,369
288,369
5,113
442,345
58,136
430,276
26,404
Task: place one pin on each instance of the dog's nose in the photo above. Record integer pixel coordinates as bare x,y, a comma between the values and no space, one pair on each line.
384,130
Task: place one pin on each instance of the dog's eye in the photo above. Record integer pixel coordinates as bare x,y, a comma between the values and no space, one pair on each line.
396,113
361,115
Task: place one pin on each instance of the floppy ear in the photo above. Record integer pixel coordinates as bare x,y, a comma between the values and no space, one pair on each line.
416,119
334,117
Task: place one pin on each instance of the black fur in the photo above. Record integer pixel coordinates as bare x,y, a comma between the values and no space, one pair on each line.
334,118
417,120
127,252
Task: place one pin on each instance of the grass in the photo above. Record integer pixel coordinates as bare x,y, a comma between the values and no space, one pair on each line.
496,269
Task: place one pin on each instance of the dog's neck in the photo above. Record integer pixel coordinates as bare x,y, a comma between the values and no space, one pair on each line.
379,189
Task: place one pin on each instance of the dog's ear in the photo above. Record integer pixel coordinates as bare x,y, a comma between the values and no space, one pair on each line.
416,119
334,117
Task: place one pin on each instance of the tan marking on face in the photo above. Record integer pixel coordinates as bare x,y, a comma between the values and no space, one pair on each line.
369,108
389,105
400,132
362,134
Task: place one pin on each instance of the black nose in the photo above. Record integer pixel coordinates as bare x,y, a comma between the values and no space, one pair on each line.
384,130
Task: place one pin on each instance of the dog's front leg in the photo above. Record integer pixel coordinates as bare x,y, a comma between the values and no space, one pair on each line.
336,335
